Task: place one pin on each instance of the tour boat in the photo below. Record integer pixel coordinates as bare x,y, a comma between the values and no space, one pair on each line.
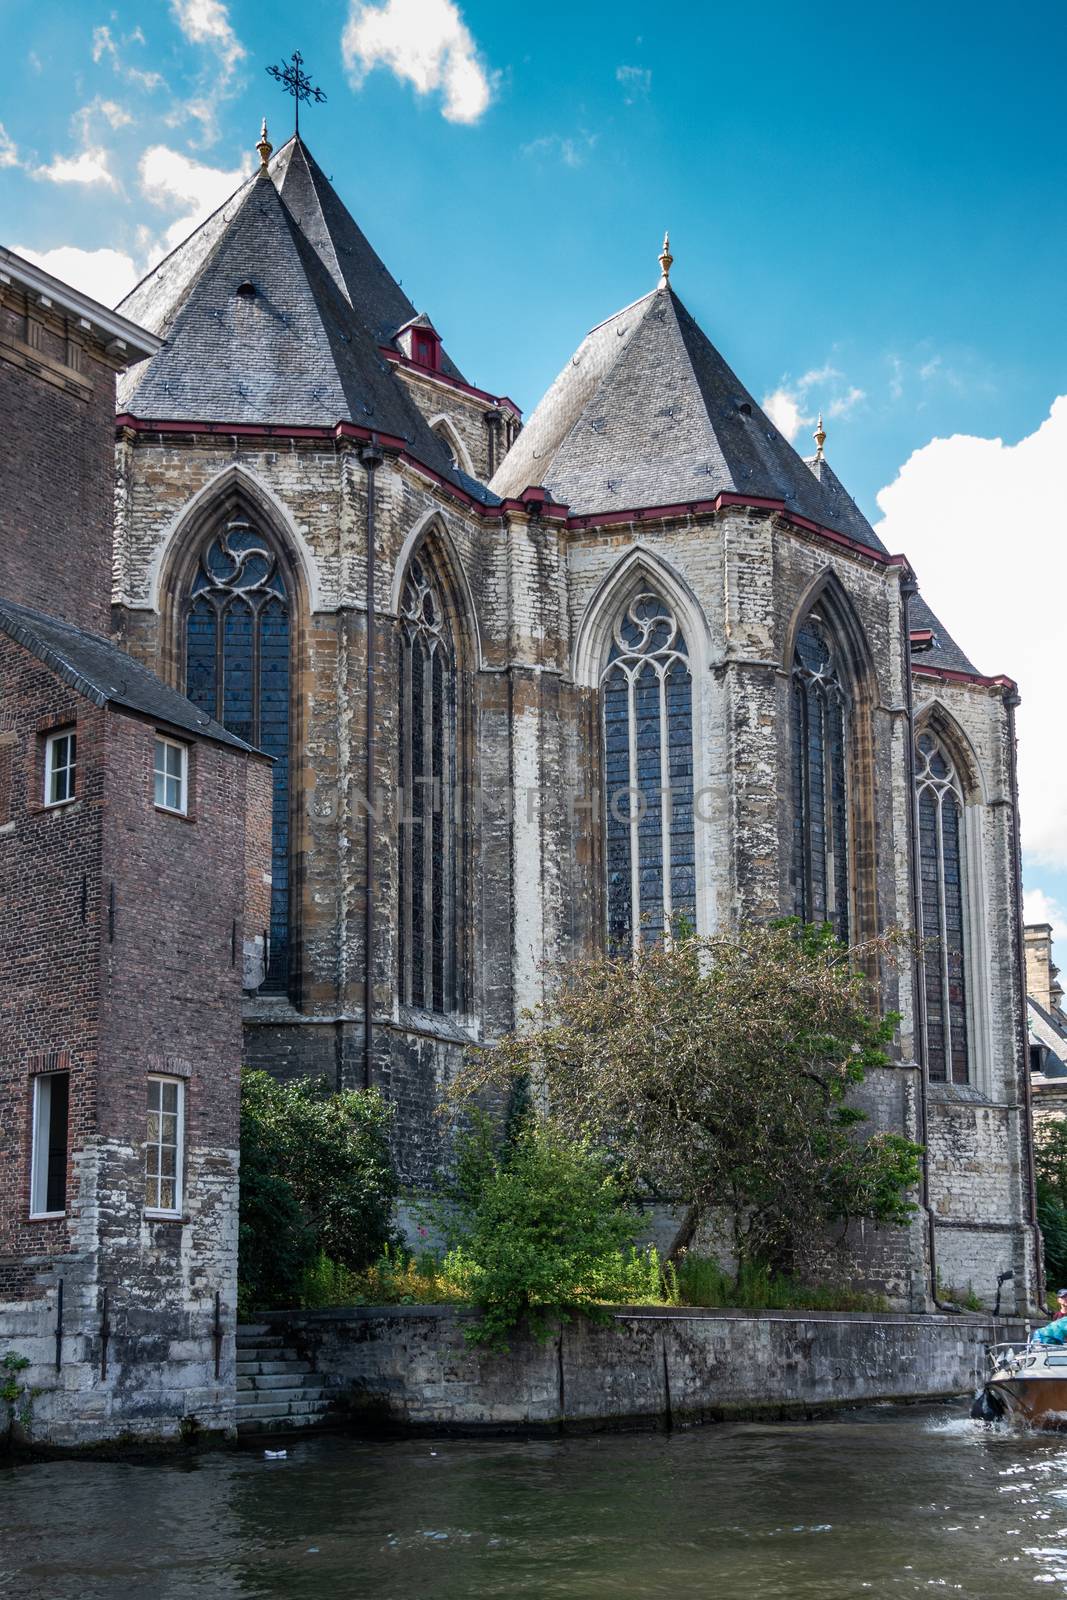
1027,1386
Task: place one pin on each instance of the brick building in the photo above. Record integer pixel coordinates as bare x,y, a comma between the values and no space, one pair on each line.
134,898
640,659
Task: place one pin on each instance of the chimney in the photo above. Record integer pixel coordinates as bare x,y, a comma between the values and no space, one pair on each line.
1042,975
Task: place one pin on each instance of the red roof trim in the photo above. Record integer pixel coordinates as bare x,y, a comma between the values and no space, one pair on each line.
399,359
953,675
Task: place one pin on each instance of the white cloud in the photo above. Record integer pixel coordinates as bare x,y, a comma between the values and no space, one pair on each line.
791,407
571,150
207,22
784,410
425,43
104,45
9,155
171,179
984,523
844,403
636,83
107,275
1041,907
88,166
108,111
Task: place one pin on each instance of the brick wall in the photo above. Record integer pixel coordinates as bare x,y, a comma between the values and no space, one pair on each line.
57,427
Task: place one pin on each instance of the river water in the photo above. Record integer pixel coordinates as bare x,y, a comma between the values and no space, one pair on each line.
890,1501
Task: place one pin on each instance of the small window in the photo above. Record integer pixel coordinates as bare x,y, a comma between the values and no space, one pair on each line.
163,1147
60,757
1037,1058
171,768
48,1169
424,349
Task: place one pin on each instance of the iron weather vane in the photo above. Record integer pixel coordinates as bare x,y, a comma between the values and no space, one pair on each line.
295,81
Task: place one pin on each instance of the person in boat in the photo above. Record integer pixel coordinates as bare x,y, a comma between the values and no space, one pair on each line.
1054,1332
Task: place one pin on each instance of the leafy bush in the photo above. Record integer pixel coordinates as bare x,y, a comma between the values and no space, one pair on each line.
719,1071
537,1227
317,1180
702,1282
1050,1163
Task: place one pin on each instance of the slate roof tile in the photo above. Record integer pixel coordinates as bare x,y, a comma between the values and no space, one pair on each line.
105,674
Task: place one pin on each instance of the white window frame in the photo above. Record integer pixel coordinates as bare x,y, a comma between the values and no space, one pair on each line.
39,1148
69,767
158,772
158,1145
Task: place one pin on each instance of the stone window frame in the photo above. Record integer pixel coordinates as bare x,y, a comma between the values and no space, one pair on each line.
235,493
935,719
158,1212
827,598
638,569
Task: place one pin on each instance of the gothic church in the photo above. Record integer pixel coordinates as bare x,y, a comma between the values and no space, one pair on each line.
528,692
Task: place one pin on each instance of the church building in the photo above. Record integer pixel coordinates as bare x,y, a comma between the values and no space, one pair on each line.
533,692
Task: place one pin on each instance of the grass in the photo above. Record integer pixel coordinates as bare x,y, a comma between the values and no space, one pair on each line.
639,1277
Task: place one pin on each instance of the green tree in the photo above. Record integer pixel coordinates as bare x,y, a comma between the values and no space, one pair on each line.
538,1224
316,1178
1050,1170
716,1072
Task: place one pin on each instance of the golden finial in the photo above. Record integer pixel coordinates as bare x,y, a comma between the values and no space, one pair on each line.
666,261
820,439
264,147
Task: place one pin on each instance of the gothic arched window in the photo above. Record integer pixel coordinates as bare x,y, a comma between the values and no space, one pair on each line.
427,787
237,636
942,912
820,783
647,702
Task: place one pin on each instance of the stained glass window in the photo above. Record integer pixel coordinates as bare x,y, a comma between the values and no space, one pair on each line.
427,932
819,781
942,914
237,646
647,708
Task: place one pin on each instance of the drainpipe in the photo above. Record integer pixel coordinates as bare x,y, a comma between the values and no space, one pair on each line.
371,456
908,590
1011,700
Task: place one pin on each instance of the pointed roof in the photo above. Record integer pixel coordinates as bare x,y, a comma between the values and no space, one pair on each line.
647,413
258,331
943,651
346,253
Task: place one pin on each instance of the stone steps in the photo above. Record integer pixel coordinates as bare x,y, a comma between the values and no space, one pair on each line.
277,1389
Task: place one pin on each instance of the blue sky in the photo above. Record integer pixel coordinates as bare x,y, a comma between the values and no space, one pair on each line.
866,208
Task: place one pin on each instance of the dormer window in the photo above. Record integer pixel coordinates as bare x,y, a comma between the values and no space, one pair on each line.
425,346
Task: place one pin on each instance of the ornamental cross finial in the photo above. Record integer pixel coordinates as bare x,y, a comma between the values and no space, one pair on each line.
666,261
295,81
820,438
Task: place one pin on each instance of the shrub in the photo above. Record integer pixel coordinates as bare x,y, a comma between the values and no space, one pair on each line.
317,1180
538,1227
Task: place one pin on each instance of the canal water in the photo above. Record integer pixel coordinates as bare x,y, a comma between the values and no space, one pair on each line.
891,1501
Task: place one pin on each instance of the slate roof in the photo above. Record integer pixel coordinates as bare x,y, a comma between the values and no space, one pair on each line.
348,256
648,413
1047,1030
292,352
944,652
106,675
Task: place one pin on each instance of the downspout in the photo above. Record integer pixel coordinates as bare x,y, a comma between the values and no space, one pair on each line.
371,456
1011,700
908,590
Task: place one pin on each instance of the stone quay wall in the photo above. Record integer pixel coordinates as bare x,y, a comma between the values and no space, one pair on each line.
410,1368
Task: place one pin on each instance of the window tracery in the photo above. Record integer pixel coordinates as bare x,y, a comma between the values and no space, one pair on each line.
237,670
427,878
942,868
820,780
647,713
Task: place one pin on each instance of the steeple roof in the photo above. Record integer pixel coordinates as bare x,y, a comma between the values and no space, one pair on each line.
258,330
356,268
647,413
